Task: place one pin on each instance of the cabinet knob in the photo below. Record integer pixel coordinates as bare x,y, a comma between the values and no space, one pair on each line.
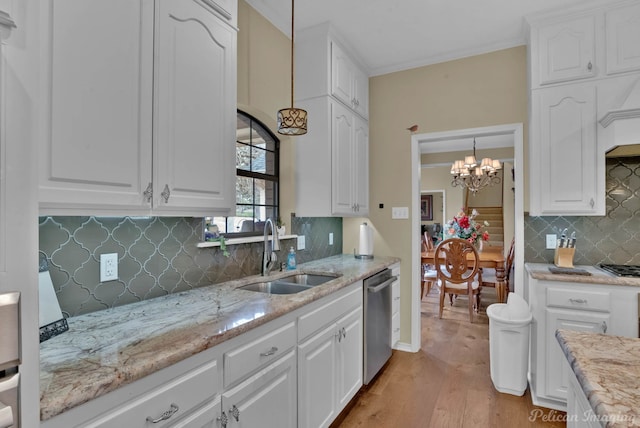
166,193
224,419
592,202
589,66
166,415
604,326
235,412
148,192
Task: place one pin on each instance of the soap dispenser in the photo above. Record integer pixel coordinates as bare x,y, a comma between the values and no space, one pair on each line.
291,259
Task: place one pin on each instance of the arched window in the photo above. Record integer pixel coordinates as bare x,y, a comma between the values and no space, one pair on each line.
257,179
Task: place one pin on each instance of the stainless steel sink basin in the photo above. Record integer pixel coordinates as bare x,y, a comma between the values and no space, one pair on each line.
310,279
275,287
289,284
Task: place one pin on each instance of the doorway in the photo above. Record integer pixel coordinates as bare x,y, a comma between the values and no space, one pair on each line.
510,135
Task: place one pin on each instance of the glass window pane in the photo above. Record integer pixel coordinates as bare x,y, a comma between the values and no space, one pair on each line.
243,157
244,190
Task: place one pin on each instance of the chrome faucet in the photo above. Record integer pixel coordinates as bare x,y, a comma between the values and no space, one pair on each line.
269,257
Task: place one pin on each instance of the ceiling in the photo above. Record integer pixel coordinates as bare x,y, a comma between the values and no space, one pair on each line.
389,36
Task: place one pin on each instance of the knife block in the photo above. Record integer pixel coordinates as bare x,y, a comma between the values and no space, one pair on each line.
564,257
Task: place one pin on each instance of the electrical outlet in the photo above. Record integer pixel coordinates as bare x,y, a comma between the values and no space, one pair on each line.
300,242
108,267
331,238
552,241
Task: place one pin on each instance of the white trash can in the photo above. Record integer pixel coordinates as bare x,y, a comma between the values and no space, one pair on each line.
509,325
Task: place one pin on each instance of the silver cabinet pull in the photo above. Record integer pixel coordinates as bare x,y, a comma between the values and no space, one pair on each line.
223,420
148,192
166,415
344,333
589,66
592,202
578,301
270,352
166,193
604,326
235,412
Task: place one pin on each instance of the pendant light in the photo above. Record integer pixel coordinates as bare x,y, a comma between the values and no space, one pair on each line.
292,121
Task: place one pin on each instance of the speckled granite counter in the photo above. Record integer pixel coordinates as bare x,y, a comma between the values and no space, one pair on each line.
105,350
608,370
598,276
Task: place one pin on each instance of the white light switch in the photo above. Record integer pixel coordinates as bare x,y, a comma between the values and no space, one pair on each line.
400,212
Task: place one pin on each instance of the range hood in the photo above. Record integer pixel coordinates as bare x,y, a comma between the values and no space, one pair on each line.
621,125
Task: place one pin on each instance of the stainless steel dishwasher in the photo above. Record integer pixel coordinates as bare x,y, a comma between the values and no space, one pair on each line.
377,322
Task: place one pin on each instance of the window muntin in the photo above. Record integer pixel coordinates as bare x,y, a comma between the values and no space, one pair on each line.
257,179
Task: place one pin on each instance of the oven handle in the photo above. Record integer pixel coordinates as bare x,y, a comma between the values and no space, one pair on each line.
385,284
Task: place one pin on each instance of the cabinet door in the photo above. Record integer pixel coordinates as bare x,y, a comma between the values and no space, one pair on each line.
342,131
557,367
565,166
317,379
266,399
341,75
622,36
349,357
96,134
361,167
195,110
360,93
567,50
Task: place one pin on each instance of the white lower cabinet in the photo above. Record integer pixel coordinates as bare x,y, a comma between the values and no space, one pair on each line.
330,360
266,399
597,308
579,411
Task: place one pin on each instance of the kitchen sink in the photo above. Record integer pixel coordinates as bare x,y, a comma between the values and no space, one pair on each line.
275,287
289,284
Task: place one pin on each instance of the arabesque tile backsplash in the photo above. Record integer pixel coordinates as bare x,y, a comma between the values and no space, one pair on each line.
614,238
157,256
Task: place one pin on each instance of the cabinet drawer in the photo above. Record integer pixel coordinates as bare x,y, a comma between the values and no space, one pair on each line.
243,360
185,393
329,312
579,299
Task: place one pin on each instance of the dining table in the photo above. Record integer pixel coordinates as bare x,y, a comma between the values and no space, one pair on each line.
488,257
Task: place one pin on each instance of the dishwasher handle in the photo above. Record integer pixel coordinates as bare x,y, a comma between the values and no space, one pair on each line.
377,288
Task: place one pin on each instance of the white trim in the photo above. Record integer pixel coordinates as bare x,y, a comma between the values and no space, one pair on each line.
246,240
440,138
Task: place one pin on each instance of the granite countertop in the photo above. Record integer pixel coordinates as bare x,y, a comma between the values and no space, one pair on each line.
598,276
608,370
105,350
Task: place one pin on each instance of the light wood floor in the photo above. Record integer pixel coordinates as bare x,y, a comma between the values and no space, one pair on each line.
447,383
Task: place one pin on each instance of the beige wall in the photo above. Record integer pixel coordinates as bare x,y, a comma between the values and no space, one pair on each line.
264,87
479,91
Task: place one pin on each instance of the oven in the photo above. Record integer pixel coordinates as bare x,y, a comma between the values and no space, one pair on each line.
377,322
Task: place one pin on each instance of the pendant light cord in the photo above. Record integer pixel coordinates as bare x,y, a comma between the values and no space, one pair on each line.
292,17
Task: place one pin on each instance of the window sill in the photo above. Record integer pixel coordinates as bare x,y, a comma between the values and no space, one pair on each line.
235,241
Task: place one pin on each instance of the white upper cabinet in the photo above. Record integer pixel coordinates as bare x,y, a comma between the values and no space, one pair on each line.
325,67
565,163
139,107
566,50
348,83
622,26
195,109
332,174
583,44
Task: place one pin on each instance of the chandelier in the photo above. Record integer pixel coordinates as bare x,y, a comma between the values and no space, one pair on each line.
292,121
467,173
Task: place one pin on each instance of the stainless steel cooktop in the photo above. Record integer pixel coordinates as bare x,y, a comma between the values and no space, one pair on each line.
622,270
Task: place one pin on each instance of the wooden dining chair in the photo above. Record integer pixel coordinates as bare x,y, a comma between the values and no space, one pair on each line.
428,274
488,276
457,273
